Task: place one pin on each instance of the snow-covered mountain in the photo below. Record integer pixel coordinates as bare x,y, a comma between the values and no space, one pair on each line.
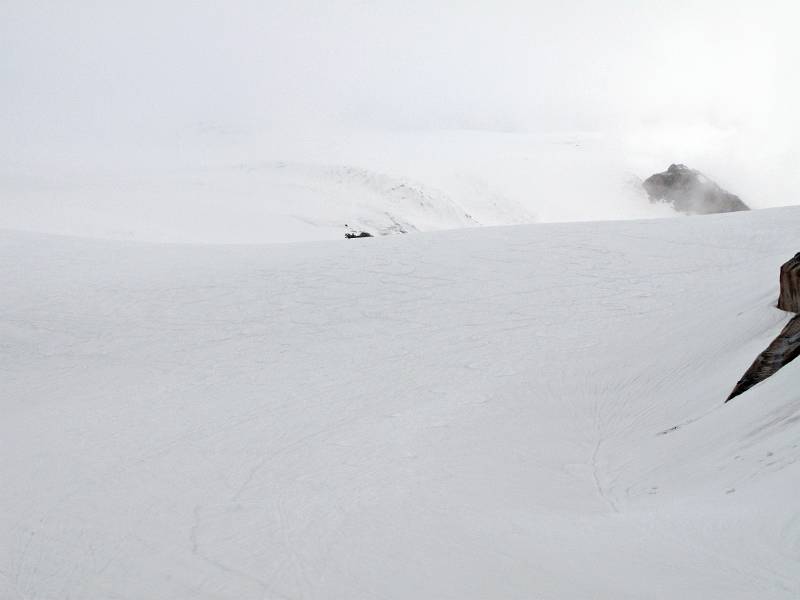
206,188
511,412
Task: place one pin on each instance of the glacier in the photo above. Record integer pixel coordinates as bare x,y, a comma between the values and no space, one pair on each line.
531,411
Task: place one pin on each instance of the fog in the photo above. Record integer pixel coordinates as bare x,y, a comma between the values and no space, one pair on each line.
108,85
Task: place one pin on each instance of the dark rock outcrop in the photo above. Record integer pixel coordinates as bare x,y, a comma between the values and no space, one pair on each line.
357,234
789,299
691,192
786,347
350,233
783,350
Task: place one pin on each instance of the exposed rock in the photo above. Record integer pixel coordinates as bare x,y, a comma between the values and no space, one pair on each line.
789,299
350,233
783,350
691,192
786,347
357,234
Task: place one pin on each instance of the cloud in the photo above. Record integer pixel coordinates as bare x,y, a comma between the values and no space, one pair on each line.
94,79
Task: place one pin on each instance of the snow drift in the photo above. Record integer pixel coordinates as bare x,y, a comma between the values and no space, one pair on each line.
517,412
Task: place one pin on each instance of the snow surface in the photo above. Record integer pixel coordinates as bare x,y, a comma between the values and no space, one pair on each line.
513,412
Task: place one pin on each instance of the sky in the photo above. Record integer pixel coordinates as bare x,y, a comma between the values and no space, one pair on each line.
88,79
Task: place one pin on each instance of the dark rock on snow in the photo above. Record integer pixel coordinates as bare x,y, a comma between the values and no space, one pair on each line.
789,299
786,347
783,350
350,233
357,234
691,192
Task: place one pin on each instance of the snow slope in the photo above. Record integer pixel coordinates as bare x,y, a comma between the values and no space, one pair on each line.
514,412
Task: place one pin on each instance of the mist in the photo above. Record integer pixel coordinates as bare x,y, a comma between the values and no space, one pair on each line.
91,87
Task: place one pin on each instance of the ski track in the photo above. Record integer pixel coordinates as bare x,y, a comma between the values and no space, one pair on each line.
517,412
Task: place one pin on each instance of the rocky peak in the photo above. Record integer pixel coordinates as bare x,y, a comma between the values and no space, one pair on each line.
691,192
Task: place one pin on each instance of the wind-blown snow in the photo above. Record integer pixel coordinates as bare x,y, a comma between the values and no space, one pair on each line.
517,412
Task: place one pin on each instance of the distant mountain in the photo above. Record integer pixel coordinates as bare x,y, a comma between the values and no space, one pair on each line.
691,192
282,191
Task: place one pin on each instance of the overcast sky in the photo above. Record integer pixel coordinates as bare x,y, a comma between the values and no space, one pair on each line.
84,71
